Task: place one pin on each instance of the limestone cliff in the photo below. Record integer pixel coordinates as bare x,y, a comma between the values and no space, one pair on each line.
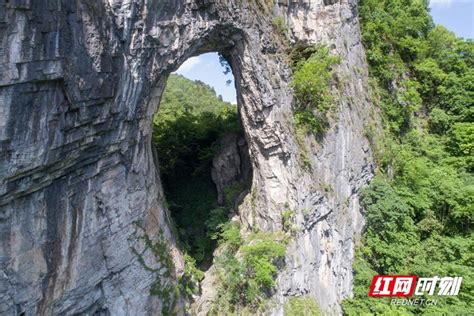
83,224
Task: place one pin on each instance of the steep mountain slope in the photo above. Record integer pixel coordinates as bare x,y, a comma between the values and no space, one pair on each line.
420,207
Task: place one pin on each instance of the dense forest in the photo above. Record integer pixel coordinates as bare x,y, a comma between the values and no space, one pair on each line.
187,127
420,206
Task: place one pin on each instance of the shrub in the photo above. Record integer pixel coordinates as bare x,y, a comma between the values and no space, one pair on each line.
217,217
189,280
230,235
280,25
311,82
260,256
246,269
311,79
301,306
287,219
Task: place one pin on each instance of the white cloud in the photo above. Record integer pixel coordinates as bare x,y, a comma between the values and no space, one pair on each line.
446,3
188,65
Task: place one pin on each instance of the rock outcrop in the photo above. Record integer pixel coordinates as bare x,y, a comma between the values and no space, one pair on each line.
83,223
231,166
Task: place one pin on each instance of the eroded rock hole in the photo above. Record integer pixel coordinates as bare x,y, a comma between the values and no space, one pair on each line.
203,155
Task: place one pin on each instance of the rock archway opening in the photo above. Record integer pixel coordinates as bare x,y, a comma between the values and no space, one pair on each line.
202,152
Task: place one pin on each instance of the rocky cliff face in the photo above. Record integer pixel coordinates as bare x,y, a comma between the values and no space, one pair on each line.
83,224
327,199
231,166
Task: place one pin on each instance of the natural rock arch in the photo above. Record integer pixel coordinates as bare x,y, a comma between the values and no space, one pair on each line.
264,111
80,198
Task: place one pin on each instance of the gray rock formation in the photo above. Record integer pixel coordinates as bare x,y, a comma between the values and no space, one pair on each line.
329,219
231,166
83,223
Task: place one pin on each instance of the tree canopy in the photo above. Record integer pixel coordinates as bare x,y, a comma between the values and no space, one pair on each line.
420,206
190,120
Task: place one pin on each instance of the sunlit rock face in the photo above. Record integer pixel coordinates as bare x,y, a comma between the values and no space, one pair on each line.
81,204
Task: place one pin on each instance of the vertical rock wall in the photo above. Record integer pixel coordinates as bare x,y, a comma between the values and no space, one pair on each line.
82,216
329,219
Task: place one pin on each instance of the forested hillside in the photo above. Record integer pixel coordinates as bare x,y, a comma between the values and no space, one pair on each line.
187,129
420,206
190,120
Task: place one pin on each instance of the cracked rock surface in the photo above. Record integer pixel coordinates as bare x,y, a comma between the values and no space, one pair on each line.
83,224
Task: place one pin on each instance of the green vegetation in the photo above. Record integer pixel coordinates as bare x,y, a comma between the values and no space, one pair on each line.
420,206
185,137
287,219
187,126
246,269
301,306
311,82
188,282
312,76
279,24
164,273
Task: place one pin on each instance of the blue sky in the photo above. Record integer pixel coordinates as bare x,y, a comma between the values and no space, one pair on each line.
456,15
206,67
